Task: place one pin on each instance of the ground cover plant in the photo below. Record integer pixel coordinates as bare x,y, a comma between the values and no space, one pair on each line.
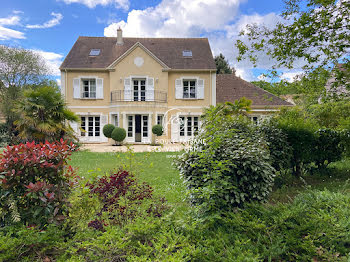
286,230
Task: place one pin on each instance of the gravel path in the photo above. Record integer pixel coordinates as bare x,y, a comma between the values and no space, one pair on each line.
136,148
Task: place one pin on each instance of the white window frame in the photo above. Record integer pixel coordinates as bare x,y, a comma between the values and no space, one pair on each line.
82,88
114,118
86,132
139,91
185,126
189,80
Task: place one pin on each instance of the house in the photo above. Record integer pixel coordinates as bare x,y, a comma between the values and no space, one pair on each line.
340,90
230,88
136,83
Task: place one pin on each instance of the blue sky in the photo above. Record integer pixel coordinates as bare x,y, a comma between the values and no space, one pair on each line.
52,26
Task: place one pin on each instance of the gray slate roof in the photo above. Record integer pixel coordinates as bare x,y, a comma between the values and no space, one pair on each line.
168,50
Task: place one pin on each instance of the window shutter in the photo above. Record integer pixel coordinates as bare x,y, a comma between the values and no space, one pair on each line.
74,126
150,89
175,128
178,89
99,88
200,89
76,88
104,122
127,89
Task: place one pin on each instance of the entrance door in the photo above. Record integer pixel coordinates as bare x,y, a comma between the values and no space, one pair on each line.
138,128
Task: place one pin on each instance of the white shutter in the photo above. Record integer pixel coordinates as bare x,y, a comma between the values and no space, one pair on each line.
175,128
74,126
76,88
200,89
127,89
178,89
150,89
99,88
104,122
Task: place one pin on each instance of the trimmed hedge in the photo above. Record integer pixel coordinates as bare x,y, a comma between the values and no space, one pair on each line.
108,129
118,134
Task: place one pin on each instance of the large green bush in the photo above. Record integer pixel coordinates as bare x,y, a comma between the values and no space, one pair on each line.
5,139
300,129
118,134
280,150
227,166
107,130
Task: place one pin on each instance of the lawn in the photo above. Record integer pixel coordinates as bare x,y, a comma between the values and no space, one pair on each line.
156,169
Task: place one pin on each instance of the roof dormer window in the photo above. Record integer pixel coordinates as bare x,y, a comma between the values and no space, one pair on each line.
187,53
94,52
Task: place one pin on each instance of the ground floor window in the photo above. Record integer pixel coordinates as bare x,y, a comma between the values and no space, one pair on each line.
145,126
130,126
160,119
90,126
115,120
189,126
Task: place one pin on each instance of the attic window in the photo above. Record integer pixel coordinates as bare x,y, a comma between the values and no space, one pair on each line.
94,52
187,53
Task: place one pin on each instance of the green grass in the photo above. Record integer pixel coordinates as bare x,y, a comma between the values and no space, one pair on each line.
154,168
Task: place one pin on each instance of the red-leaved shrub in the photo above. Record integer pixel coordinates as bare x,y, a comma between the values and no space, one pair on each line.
123,199
35,180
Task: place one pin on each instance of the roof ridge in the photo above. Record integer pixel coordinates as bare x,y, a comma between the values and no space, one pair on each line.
170,38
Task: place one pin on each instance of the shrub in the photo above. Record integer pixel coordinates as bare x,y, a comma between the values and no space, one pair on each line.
5,139
123,199
328,147
300,129
107,130
280,150
35,182
227,166
118,134
157,130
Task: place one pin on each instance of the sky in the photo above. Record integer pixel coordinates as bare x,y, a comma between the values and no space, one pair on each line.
50,27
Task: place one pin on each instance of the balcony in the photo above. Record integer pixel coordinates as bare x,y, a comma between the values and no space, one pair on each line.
138,96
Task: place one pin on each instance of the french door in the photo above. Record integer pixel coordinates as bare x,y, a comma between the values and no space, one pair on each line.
139,89
138,128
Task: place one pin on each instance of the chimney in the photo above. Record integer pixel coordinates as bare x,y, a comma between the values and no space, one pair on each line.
120,36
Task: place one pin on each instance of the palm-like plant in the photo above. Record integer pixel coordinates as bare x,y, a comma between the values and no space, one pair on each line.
43,115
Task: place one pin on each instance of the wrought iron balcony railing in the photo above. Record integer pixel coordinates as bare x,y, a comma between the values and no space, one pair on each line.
138,96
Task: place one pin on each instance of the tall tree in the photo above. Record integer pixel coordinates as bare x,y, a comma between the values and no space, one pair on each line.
18,69
313,32
43,115
222,65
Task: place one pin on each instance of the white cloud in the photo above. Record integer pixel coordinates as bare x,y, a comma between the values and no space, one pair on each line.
291,76
10,20
58,80
7,33
124,4
177,18
53,60
57,17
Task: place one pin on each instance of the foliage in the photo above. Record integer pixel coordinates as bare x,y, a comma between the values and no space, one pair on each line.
18,69
238,107
35,182
123,199
222,65
333,114
328,147
157,130
300,130
43,115
4,136
107,130
227,166
118,134
280,150
311,31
